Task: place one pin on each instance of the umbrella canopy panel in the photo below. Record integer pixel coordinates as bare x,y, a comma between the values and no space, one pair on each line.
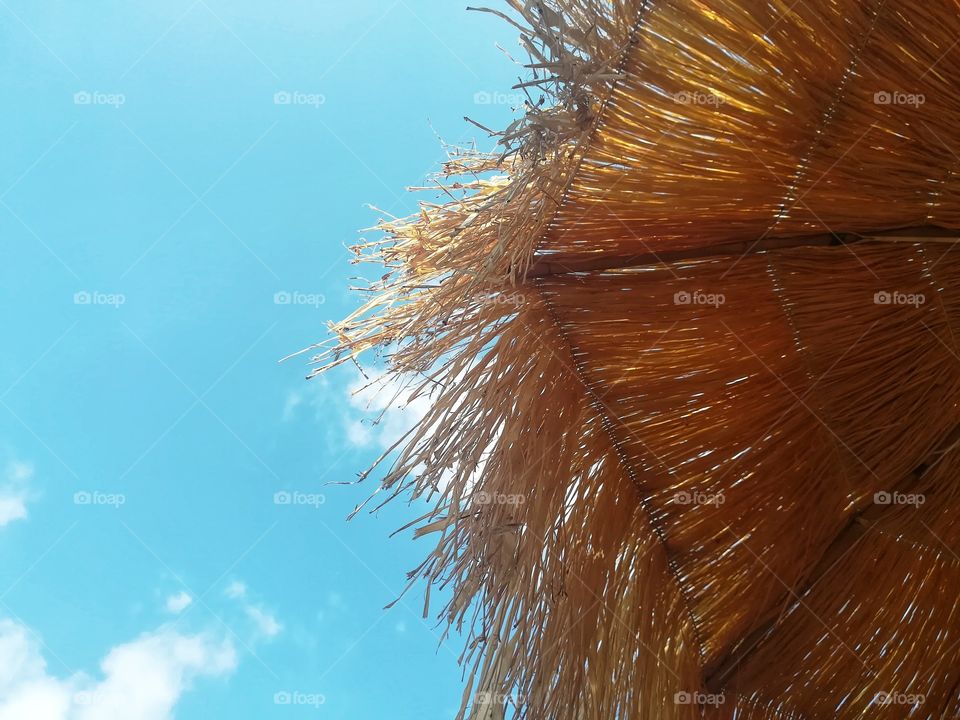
750,120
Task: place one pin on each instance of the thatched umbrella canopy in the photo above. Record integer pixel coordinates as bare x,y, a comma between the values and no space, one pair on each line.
692,342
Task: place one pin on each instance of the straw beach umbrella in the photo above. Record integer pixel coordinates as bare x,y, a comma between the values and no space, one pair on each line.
692,342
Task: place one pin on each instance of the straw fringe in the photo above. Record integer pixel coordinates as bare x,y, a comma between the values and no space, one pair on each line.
451,256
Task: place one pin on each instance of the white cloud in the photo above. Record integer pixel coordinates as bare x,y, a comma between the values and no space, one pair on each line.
387,399
294,400
141,680
265,623
11,508
13,492
179,602
358,434
313,394
236,590
19,472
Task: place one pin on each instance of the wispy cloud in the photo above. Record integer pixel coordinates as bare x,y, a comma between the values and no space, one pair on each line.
382,410
265,624
236,590
179,602
14,488
294,400
312,395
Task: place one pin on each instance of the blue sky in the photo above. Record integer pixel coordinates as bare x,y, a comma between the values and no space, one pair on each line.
168,169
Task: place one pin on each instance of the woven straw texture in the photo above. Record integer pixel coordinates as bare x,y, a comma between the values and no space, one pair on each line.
691,449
